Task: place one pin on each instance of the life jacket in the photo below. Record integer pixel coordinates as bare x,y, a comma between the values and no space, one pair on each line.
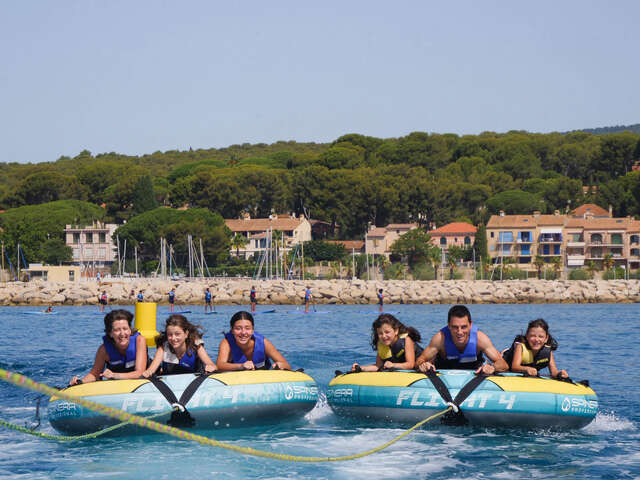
103,298
395,352
470,359
538,361
252,295
380,298
140,297
172,296
259,358
117,362
171,364
307,294
207,296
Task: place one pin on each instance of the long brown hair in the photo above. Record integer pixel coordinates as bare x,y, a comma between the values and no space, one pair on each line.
195,332
394,323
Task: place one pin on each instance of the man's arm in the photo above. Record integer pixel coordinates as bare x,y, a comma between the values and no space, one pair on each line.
486,347
424,361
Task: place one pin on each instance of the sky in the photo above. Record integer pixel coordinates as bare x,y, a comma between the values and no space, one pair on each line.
137,77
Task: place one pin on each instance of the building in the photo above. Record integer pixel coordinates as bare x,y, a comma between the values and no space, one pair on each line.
587,234
378,240
50,273
350,246
256,232
460,234
93,246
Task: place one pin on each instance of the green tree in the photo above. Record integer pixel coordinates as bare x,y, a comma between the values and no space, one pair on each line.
238,241
416,246
56,251
513,202
539,263
143,195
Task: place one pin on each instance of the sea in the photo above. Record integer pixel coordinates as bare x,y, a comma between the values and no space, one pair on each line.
597,342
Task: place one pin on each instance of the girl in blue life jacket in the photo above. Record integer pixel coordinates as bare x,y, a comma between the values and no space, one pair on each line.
533,351
180,349
396,344
245,349
123,353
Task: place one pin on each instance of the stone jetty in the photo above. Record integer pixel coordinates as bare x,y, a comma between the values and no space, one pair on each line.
291,292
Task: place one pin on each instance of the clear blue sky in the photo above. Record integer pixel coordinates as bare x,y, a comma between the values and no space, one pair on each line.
136,77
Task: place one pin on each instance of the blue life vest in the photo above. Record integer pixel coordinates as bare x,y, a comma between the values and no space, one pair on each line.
207,297
307,295
172,296
252,295
380,299
140,297
171,364
467,360
259,357
117,362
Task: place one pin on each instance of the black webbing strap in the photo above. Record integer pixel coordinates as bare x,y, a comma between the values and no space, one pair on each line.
181,416
164,389
192,388
455,416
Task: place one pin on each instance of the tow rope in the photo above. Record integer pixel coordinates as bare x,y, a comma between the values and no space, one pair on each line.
128,418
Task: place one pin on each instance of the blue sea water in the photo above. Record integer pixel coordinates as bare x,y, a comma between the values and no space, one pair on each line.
597,342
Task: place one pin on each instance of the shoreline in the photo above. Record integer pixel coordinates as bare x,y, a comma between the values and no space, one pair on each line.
347,292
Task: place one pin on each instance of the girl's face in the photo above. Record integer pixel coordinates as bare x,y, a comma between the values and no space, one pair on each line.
536,338
242,331
387,334
120,333
176,337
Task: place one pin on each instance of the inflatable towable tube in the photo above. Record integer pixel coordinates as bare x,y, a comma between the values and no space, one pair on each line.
503,400
229,399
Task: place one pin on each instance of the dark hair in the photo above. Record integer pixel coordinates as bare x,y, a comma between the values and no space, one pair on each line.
194,332
459,311
541,323
115,315
241,315
380,291
396,324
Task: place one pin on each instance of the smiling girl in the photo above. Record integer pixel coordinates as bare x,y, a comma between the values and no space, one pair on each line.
123,353
396,344
533,351
245,349
180,349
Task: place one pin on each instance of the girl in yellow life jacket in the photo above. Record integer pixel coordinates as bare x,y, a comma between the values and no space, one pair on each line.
396,344
534,351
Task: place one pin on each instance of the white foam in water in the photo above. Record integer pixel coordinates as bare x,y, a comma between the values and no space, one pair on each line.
609,422
320,410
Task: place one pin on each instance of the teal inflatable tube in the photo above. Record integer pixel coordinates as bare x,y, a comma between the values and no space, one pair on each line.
223,400
505,400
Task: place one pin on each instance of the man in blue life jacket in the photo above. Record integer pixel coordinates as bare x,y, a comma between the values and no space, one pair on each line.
460,345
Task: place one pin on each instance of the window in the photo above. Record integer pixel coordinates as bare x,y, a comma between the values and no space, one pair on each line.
596,238
525,250
524,237
467,240
491,234
635,239
102,237
443,240
76,254
505,237
616,239
545,249
76,238
102,253
556,249
506,250
88,237
576,237
72,276
88,252
635,252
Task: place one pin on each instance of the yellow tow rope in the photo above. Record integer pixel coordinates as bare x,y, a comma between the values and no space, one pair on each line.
127,418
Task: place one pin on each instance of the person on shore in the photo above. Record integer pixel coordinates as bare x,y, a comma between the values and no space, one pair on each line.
172,299
123,353
380,299
140,296
253,299
245,349
207,300
307,299
396,344
533,351
460,345
103,300
180,349
98,277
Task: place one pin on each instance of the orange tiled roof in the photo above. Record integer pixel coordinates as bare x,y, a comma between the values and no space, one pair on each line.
454,228
401,226
349,244
377,232
592,208
262,224
512,221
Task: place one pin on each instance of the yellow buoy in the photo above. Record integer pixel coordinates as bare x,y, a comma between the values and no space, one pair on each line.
145,321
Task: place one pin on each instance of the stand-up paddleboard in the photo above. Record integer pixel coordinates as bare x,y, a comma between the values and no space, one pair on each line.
40,313
310,312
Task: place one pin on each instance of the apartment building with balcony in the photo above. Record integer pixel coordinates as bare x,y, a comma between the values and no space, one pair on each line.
256,231
587,234
92,245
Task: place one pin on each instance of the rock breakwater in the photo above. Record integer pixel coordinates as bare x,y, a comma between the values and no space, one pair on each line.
291,292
